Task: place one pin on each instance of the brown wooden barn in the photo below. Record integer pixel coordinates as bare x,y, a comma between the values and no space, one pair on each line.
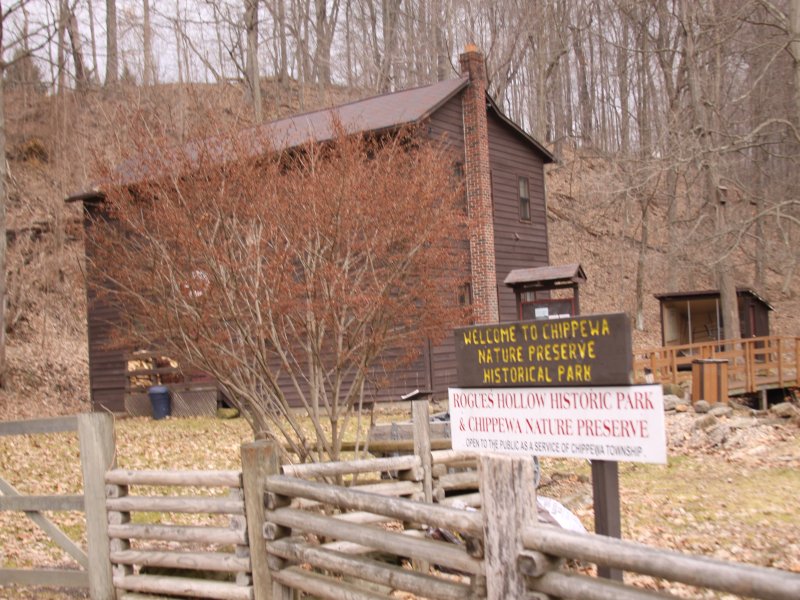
503,168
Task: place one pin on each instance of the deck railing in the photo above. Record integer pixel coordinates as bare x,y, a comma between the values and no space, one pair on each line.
754,364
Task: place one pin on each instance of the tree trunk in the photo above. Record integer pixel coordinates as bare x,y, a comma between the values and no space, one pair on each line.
673,241
283,73
348,42
794,46
3,199
622,76
729,305
443,66
641,264
149,72
704,122
61,54
93,39
324,28
390,13
584,100
81,79
112,66
253,74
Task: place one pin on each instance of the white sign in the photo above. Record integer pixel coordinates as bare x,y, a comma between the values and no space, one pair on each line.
621,423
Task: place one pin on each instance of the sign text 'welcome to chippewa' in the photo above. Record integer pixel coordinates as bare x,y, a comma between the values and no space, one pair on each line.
575,351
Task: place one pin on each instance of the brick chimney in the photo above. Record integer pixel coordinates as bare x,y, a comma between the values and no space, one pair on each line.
478,181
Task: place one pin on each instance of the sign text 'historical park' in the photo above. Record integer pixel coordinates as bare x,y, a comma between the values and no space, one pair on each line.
576,351
557,387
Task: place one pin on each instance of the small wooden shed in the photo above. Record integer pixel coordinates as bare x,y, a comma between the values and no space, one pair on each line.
692,317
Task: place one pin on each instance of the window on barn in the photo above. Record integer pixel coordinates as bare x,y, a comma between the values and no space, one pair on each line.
524,200
465,294
457,180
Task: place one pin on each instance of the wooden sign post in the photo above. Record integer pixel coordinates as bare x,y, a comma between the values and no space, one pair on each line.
559,387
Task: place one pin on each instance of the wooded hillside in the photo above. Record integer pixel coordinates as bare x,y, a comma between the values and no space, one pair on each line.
676,124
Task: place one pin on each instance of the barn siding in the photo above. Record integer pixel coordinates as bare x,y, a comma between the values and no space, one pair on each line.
510,157
518,244
107,366
447,124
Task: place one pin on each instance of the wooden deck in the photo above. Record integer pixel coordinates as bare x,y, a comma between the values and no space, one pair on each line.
754,364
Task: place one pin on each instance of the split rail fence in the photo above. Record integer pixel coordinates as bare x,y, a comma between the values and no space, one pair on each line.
181,550
429,523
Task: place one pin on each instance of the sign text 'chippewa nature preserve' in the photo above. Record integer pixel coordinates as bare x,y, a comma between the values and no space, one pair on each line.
620,423
575,351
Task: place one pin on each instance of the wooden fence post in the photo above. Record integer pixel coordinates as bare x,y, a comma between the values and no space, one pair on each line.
509,505
420,417
119,518
259,460
607,519
422,444
96,438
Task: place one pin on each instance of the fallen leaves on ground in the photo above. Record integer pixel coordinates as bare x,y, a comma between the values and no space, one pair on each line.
735,503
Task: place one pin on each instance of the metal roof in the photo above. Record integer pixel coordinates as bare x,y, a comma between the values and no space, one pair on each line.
572,272
711,294
383,112
386,111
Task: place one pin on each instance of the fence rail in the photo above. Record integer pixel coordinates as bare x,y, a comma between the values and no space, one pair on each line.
357,541
33,426
723,576
508,552
289,532
168,546
754,364
505,552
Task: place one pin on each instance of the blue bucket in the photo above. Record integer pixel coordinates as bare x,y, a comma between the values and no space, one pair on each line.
160,400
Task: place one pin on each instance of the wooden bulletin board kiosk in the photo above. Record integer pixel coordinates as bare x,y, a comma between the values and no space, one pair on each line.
539,291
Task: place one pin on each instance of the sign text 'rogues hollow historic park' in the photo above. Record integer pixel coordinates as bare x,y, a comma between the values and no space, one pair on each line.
557,387
577,351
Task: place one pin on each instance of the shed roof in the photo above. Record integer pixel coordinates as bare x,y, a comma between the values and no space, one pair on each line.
383,112
572,272
695,294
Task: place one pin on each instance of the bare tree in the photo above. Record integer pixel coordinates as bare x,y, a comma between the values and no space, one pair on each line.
280,273
148,68
112,54
705,93
253,72
81,77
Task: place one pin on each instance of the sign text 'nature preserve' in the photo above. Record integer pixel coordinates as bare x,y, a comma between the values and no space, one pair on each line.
597,423
576,351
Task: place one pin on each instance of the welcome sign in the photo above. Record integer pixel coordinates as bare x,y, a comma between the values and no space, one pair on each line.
576,351
555,387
